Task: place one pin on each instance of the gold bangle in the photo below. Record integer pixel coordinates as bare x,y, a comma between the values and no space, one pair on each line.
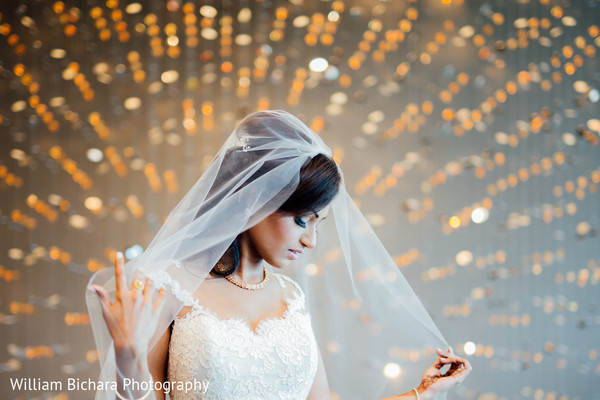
119,395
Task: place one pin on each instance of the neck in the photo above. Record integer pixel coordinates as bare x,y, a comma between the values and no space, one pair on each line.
250,272
251,263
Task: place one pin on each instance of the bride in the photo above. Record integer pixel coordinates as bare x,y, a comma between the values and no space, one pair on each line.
203,303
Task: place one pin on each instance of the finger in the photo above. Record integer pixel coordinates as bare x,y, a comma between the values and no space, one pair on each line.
102,294
452,363
462,374
134,293
137,274
148,290
454,360
447,353
468,365
453,367
160,300
442,353
104,299
120,277
439,363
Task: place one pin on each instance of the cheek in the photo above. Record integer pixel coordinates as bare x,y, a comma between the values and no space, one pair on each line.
282,232
273,233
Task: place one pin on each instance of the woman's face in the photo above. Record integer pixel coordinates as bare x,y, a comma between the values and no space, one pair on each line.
279,239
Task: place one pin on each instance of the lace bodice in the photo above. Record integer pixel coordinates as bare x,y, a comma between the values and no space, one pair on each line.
276,361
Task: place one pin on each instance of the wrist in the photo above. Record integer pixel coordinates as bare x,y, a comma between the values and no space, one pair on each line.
424,394
415,394
128,363
123,352
144,396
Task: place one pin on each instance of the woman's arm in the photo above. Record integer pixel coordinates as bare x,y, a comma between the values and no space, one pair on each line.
406,396
123,318
433,381
158,362
320,386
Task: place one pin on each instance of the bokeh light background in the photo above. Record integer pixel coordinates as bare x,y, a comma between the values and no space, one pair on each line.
467,131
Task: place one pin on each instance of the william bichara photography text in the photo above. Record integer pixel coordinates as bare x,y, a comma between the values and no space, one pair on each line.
76,384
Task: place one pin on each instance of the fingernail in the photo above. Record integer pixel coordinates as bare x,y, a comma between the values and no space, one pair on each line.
438,349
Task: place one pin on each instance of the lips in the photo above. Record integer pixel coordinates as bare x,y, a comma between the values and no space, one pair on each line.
293,254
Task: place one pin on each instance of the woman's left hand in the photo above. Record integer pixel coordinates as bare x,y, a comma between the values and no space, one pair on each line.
433,382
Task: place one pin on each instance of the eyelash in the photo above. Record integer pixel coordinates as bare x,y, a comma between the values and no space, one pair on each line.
300,222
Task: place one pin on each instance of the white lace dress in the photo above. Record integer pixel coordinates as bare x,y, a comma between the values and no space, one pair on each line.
276,361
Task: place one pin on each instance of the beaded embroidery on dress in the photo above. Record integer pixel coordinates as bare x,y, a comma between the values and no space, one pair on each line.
276,361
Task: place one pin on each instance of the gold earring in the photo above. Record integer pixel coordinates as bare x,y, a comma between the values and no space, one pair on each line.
220,267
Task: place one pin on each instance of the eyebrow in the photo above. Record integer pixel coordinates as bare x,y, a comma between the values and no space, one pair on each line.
317,215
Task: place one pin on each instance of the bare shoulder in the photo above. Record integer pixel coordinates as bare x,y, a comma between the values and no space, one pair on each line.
290,286
208,289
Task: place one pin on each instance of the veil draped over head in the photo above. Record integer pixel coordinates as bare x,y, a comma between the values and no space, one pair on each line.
375,336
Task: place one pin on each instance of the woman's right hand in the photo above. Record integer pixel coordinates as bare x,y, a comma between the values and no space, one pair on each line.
130,316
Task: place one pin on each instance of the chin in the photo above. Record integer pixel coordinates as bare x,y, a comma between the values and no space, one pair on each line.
281,264
273,263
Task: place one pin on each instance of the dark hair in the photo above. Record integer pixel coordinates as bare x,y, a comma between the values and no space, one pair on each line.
318,185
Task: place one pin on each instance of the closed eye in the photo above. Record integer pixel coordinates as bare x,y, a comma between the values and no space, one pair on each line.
300,222
303,223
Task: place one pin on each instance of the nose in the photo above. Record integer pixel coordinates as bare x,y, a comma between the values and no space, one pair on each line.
309,237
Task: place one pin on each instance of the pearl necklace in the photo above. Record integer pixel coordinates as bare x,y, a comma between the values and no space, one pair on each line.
249,286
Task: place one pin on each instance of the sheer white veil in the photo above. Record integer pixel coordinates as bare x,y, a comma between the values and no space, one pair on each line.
364,313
